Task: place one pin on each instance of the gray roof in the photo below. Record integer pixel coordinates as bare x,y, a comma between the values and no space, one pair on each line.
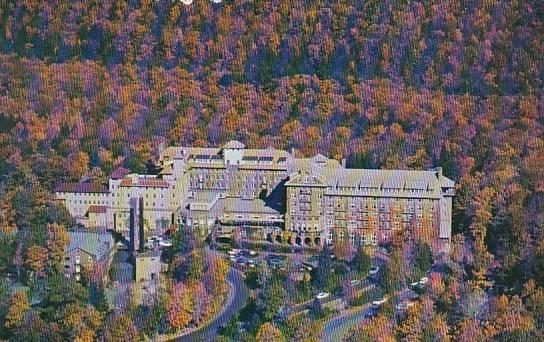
94,243
397,183
239,205
328,172
369,182
203,196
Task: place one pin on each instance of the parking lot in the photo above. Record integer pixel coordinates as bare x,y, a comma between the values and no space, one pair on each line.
245,258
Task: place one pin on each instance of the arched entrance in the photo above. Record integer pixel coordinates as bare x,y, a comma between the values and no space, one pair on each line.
307,241
298,240
279,238
269,237
317,241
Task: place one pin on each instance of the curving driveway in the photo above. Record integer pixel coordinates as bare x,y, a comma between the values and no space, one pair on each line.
236,302
337,327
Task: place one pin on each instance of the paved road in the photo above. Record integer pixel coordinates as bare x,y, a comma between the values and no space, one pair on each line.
236,302
365,284
336,328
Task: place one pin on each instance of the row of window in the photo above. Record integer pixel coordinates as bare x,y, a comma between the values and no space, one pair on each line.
385,190
297,226
78,259
382,217
93,194
96,202
370,239
383,207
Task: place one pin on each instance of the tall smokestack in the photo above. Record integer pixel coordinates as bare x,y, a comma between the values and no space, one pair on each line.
141,224
131,232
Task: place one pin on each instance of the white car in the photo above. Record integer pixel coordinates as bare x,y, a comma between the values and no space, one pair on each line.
405,305
414,284
234,252
165,243
355,282
322,295
374,270
380,302
423,281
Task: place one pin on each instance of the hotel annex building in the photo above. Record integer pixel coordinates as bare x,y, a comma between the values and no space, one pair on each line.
270,194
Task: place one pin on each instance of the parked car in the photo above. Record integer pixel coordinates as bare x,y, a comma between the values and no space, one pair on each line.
309,264
322,295
379,302
277,257
404,305
241,260
355,282
374,270
414,284
165,243
371,313
234,252
423,281
248,253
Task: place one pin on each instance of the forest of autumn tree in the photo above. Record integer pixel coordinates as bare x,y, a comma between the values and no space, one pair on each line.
86,86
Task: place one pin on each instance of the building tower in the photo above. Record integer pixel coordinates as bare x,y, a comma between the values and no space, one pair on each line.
141,225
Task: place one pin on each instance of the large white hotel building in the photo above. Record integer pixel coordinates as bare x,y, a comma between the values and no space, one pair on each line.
270,194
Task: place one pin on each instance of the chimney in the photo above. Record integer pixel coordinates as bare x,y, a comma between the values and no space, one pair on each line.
344,163
292,151
141,225
131,231
439,171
